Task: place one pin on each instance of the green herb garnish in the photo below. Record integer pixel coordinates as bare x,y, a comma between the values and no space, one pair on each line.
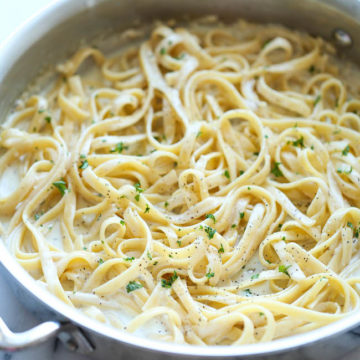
168,283
210,231
61,186
129,258
346,150
276,171
84,164
247,292
284,269
210,274
119,148
132,286
265,43
299,142
317,99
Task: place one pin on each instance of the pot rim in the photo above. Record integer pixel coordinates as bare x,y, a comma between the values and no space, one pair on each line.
87,323
58,11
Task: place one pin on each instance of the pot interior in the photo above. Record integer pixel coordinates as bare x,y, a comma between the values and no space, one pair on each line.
52,35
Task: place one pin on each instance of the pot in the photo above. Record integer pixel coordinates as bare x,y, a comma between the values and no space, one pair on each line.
51,36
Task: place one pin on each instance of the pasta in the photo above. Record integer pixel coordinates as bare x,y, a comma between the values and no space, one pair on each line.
202,187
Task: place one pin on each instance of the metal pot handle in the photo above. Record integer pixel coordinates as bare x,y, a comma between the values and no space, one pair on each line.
11,341
71,336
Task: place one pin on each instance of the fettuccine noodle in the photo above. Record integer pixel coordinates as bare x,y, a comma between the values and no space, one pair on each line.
202,187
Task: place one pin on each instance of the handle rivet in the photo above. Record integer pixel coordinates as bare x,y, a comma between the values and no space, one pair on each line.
342,38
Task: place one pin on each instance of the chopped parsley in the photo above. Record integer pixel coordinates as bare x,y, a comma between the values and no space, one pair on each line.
166,204
265,43
119,148
339,171
198,134
61,186
284,269
48,119
311,69
346,150
129,258
162,51
147,210
138,188
350,225
178,242
255,276
356,233
180,57
276,171
241,172
211,216
122,222
210,231
168,283
132,286
227,174
149,255
247,292
210,274
242,214
100,261
221,250
84,164
317,99
299,142
233,226
37,216
82,156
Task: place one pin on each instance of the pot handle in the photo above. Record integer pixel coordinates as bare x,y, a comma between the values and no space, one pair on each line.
11,341
70,335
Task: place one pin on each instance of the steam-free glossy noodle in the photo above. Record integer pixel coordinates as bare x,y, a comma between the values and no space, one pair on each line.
202,187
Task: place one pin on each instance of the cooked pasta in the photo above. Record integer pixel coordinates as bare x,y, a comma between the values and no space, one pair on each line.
200,187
